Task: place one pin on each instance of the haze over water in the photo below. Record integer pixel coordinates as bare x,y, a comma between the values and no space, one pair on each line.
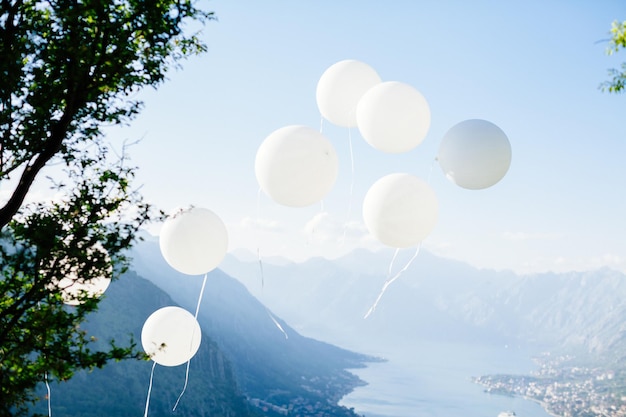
433,379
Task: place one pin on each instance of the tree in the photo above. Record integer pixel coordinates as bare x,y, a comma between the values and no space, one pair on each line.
69,68
617,81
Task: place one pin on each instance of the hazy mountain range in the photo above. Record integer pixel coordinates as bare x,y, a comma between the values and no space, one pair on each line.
260,319
439,299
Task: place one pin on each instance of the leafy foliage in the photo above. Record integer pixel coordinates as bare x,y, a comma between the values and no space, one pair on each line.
68,68
617,81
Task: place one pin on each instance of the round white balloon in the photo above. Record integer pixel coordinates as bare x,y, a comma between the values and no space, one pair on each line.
171,336
475,154
393,117
296,166
341,87
400,210
73,286
194,241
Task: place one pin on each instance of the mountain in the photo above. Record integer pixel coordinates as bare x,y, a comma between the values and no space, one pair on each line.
120,388
254,357
584,311
278,369
328,299
440,299
250,361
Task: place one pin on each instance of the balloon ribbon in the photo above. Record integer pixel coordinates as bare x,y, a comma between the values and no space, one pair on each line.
277,323
192,335
145,414
345,226
391,279
45,377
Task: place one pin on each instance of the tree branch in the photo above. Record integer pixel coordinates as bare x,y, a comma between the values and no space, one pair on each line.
52,146
75,100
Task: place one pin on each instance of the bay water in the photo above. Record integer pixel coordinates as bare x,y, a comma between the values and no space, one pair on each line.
433,379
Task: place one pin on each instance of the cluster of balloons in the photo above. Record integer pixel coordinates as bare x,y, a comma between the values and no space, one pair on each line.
296,166
400,210
193,242
392,116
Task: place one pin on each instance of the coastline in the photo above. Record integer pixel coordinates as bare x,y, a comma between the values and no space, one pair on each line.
506,393
543,405
402,390
355,381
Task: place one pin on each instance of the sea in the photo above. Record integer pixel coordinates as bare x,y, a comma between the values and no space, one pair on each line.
434,379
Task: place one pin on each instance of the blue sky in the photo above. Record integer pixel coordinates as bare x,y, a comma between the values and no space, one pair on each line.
533,68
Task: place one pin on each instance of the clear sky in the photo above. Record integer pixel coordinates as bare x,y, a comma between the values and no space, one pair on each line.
531,67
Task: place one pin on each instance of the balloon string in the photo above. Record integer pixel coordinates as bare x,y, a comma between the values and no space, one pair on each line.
345,226
391,280
258,253
192,336
395,254
45,377
321,124
200,296
184,386
277,323
145,414
258,246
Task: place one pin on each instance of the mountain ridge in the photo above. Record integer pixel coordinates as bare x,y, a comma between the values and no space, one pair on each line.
441,298
258,360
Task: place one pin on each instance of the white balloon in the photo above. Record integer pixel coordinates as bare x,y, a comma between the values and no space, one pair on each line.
475,154
296,166
194,241
400,210
341,87
171,336
393,117
73,287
